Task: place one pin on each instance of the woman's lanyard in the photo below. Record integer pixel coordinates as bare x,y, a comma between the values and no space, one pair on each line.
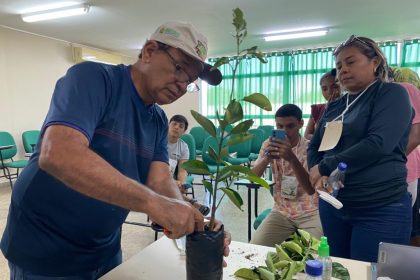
354,101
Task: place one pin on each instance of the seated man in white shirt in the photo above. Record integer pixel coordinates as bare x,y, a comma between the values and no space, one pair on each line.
178,154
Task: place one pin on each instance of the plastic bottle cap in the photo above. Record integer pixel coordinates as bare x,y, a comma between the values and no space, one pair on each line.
342,166
323,248
313,268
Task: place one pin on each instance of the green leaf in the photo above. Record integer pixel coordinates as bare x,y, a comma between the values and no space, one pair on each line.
305,237
234,112
266,274
238,20
213,154
269,263
261,57
339,271
208,186
259,100
222,124
300,266
219,62
251,50
204,122
196,167
240,169
234,197
257,180
242,127
239,138
224,153
223,175
247,273
314,244
291,271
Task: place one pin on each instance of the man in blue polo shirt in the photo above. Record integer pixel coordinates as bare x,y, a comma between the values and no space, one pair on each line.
103,152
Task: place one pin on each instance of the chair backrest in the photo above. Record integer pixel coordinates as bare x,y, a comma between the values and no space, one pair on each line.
228,129
242,150
210,142
30,139
189,140
267,130
257,140
199,134
7,139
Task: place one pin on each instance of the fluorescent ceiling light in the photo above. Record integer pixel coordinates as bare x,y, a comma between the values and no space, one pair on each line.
49,6
56,13
296,34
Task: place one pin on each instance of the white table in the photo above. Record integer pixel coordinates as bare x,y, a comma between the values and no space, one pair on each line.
162,260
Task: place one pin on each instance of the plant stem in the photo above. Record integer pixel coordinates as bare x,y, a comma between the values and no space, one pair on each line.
237,60
220,200
213,213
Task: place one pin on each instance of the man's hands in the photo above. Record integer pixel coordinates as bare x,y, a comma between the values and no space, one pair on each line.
279,149
177,217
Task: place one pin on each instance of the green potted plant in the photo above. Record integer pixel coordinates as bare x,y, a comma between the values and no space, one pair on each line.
205,247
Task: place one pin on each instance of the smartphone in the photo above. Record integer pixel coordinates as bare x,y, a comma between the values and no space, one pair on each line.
279,134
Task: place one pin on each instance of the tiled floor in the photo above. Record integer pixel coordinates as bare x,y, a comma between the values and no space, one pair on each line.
135,238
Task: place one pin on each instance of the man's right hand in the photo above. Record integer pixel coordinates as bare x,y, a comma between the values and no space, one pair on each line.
177,217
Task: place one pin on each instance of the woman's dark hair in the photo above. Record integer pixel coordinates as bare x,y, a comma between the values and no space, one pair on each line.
332,73
180,119
289,110
370,49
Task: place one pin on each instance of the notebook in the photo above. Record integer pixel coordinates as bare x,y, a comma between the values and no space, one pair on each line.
398,262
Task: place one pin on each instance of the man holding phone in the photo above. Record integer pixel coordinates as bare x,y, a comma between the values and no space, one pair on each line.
295,200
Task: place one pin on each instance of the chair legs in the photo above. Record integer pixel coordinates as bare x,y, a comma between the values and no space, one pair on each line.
7,176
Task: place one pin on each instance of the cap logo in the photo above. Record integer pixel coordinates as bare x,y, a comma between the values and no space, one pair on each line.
169,31
201,50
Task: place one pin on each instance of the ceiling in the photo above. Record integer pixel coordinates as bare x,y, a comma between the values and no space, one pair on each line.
122,26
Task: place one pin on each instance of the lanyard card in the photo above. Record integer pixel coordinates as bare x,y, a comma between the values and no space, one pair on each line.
331,136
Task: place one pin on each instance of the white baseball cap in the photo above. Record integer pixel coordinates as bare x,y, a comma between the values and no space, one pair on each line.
185,37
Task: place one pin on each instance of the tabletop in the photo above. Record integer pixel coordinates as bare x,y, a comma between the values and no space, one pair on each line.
163,260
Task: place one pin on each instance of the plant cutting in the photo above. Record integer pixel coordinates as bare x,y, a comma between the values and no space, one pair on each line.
289,259
221,180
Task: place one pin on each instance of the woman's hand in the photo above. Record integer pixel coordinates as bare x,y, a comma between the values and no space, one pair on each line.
323,185
314,175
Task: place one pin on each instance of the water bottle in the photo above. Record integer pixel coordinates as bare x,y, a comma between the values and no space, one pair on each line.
324,258
313,270
336,179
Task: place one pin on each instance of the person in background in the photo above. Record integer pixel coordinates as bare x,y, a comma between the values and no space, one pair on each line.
103,152
178,154
330,91
405,77
295,204
373,141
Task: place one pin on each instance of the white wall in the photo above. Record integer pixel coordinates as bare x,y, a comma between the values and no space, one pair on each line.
29,68
183,106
